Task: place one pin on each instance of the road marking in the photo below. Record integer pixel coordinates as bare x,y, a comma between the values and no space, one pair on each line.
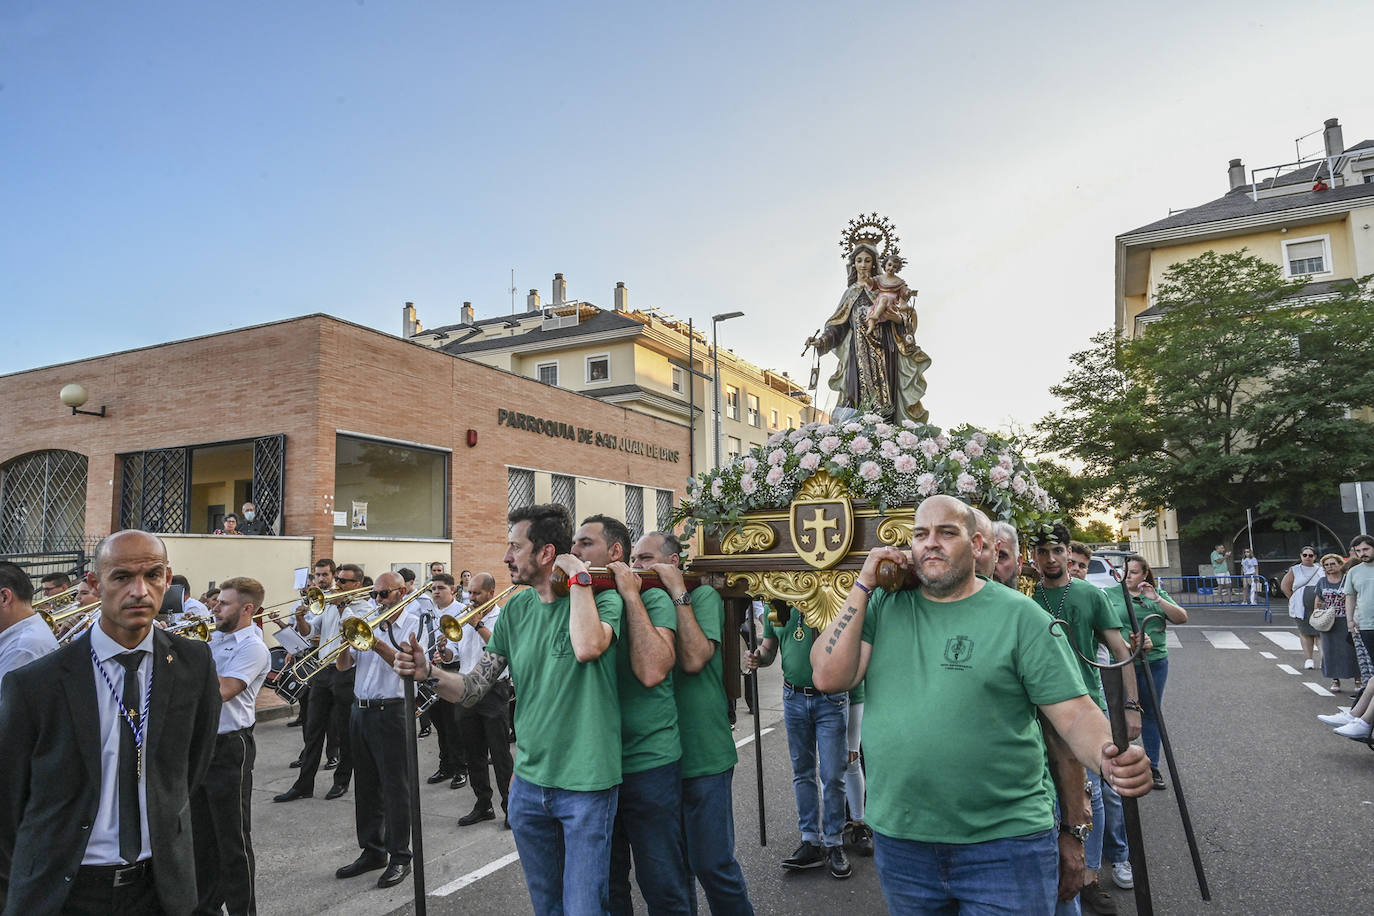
1284,639
743,741
1171,640
457,884
1224,639
1289,669
1318,689
1269,655
1234,626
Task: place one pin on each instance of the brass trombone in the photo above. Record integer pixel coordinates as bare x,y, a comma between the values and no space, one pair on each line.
52,620
359,634
197,628
452,627
53,599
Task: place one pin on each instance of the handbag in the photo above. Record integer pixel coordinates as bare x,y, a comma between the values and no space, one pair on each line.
1323,618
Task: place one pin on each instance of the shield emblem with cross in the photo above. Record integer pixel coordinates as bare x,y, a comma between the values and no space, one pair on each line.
822,530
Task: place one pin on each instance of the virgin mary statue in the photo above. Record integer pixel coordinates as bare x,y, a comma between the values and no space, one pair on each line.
881,369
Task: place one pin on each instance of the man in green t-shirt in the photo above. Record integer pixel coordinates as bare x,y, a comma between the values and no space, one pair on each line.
649,818
955,672
708,747
1221,571
562,654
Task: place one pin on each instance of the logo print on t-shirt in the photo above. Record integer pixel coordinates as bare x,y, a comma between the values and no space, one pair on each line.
562,645
958,652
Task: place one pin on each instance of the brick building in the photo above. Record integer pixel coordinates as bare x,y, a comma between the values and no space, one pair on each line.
353,444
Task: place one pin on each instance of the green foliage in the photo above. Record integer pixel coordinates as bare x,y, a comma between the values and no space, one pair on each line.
1237,396
1095,532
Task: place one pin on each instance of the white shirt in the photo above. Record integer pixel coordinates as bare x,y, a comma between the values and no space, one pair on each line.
243,655
1249,565
376,679
27,640
103,848
192,607
470,648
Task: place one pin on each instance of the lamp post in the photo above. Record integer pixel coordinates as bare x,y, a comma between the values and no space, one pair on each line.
715,372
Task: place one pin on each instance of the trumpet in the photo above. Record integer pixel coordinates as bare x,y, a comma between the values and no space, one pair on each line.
55,599
452,627
359,634
197,628
52,620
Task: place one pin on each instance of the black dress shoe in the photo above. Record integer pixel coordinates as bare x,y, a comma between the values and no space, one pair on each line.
459,781
295,723
476,815
438,777
838,862
292,794
1157,780
394,874
364,863
296,764
424,732
335,791
808,855
331,763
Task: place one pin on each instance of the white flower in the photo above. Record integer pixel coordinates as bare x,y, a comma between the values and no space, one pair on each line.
795,434
810,461
1004,461
909,423
999,477
777,456
904,463
747,484
925,484
871,418
841,459
959,457
930,448
1041,497
853,427
883,430
825,428
966,483
981,439
1019,485
869,470
751,464
829,444
861,445
774,476
777,437
805,445
889,449
973,449
717,488
907,440
943,441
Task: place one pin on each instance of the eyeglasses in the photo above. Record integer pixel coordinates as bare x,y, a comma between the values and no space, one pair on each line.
346,582
1308,556
379,594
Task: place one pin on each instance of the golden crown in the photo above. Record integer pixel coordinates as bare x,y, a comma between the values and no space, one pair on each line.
873,230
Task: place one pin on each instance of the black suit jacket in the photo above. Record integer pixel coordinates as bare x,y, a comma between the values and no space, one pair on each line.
50,770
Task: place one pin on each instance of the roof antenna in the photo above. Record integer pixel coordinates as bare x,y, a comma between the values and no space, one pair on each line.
512,290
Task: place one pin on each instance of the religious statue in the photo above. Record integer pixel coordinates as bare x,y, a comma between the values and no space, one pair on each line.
873,331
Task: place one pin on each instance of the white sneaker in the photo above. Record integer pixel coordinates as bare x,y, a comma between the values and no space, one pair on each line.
1359,730
1340,718
1122,875
1308,664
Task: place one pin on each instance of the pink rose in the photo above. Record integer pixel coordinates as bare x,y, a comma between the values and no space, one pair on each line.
805,445
999,477
1019,485
943,441
930,448
853,427
1004,461
774,476
872,418
751,464
861,445
909,423
959,457
841,459
829,444
717,488
883,430
810,461
981,439
869,470
777,437
966,483
904,463
747,484
889,449
907,440
777,456
973,449
925,484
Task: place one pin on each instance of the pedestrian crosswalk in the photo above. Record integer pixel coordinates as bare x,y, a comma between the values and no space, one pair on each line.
1265,641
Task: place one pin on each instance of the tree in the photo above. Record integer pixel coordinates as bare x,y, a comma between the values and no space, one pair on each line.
1238,396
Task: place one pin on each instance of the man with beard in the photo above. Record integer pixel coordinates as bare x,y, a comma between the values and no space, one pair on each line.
561,652
1007,547
220,820
956,671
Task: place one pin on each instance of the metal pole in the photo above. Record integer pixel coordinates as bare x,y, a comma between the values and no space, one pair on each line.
691,402
1359,506
1250,528
758,711
1114,690
417,833
715,391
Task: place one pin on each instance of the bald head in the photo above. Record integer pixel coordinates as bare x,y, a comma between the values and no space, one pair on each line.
984,555
942,503
128,540
481,588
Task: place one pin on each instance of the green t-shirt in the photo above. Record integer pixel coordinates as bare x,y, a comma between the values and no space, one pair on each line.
857,695
648,715
1144,607
795,639
1086,610
1220,564
953,746
568,716
703,716
1359,581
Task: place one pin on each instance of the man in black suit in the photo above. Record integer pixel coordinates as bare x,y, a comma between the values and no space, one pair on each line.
101,744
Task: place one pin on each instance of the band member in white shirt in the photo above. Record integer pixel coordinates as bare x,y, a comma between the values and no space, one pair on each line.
23,634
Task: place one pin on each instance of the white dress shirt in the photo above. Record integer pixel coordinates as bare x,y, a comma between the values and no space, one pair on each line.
103,848
376,679
241,654
27,640
470,648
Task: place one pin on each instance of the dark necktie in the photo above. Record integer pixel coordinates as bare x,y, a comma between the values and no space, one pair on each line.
130,823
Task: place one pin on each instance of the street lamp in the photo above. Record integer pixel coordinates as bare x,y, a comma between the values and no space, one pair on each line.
715,371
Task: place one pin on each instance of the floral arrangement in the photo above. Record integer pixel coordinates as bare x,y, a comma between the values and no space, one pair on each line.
884,464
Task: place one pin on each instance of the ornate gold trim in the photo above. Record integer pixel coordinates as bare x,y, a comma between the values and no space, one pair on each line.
820,595
751,536
895,530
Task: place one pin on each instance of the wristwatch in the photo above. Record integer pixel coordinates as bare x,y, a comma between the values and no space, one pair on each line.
583,578
1078,831
683,600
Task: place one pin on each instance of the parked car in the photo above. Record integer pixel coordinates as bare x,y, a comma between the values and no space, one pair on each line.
1104,569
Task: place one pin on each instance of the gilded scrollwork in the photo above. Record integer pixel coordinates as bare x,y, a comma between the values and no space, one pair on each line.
749,537
895,530
819,594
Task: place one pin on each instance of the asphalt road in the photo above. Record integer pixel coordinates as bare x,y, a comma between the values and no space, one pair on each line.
1279,805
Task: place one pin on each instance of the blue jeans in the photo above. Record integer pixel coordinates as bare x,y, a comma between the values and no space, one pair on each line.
564,841
708,821
649,821
1149,721
1113,847
817,726
1017,876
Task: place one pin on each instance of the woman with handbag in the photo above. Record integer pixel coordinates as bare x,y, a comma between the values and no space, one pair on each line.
1338,649
1294,585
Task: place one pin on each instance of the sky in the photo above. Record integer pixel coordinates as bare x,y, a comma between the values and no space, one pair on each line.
179,168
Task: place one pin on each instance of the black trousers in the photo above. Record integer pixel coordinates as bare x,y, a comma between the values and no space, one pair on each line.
444,716
381,790
484,730
92,896
331,697
221,828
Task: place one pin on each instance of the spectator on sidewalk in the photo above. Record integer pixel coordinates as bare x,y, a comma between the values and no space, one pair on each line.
1249,566
1338,643
1294,586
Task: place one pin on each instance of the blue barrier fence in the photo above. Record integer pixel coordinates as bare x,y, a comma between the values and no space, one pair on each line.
1219,591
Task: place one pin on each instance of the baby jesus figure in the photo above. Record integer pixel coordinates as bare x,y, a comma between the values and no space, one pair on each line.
893,294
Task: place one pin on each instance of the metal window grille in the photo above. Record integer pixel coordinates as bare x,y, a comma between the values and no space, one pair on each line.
520,489
43,502
564,493
155,495
665,509
634,511
269,479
